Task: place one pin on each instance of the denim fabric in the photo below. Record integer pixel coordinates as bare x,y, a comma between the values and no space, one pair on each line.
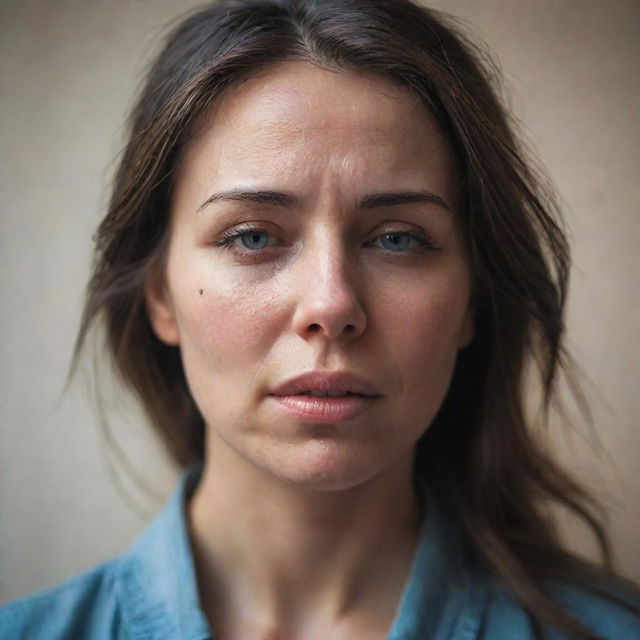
149,593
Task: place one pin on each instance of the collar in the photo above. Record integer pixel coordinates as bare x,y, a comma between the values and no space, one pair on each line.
156,583
443,597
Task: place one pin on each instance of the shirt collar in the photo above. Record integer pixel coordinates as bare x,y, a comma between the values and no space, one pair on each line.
157,589
442,597
156,582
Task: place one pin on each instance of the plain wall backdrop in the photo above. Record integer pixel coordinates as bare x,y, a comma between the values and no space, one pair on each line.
68,71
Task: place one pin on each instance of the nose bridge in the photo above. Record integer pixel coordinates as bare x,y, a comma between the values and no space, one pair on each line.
329,260
328,301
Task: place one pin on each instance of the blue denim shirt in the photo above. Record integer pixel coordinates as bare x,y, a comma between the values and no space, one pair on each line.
149,593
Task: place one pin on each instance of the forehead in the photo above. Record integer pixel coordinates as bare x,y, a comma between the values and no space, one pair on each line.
300,93
297,120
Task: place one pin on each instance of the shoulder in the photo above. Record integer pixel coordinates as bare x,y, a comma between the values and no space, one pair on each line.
610,610
83,607
147,592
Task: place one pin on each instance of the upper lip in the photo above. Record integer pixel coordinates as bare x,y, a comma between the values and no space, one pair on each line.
326,381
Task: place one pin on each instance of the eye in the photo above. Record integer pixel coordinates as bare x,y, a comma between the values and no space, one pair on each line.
246,239
255,240
403,242
396,241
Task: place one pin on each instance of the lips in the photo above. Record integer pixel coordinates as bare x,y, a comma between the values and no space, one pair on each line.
326,384
321,397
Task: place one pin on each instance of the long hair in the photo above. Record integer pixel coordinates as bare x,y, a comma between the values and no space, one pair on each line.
479,454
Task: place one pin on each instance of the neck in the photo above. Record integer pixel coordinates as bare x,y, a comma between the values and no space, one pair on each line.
275,556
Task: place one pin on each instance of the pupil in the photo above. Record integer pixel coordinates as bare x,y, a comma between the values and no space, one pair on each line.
395,241
255,240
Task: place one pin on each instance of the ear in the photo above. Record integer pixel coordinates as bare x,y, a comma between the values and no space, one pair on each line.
160,310
467,328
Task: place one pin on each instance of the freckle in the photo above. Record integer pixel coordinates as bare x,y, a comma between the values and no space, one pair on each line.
201,291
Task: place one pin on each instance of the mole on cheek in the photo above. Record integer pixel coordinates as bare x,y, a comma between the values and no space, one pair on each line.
201,291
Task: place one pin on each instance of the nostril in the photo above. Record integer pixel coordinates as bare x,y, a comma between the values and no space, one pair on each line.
315,328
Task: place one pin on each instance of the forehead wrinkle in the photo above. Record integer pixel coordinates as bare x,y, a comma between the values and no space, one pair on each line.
286,106
278,129
271,134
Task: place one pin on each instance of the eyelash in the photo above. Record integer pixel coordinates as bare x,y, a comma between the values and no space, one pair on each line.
425,242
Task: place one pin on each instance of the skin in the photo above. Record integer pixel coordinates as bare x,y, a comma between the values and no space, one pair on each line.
334,504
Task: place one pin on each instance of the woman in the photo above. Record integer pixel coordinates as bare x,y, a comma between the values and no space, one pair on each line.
324,270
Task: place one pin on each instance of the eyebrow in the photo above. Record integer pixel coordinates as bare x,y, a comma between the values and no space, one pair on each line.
275,198
375,200
288,200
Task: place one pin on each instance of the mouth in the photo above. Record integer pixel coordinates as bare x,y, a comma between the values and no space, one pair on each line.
317,393
325,409
326,397
327,384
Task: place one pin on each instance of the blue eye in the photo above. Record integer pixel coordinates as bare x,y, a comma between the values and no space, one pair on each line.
248,242
244,240
396,241
255,240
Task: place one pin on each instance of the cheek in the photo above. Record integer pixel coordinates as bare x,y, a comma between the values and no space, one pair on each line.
424,328
224,320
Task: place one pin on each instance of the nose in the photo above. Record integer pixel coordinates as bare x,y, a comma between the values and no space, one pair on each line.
328,303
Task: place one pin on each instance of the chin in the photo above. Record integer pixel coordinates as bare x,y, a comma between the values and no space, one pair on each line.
323,465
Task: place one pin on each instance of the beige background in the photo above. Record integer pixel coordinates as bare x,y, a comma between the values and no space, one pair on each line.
68,72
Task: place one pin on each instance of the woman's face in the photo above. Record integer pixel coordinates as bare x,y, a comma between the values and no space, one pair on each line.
314,229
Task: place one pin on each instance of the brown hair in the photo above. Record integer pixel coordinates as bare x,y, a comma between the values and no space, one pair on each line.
479,454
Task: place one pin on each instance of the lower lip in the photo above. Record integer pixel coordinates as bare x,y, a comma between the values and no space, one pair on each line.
325,409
